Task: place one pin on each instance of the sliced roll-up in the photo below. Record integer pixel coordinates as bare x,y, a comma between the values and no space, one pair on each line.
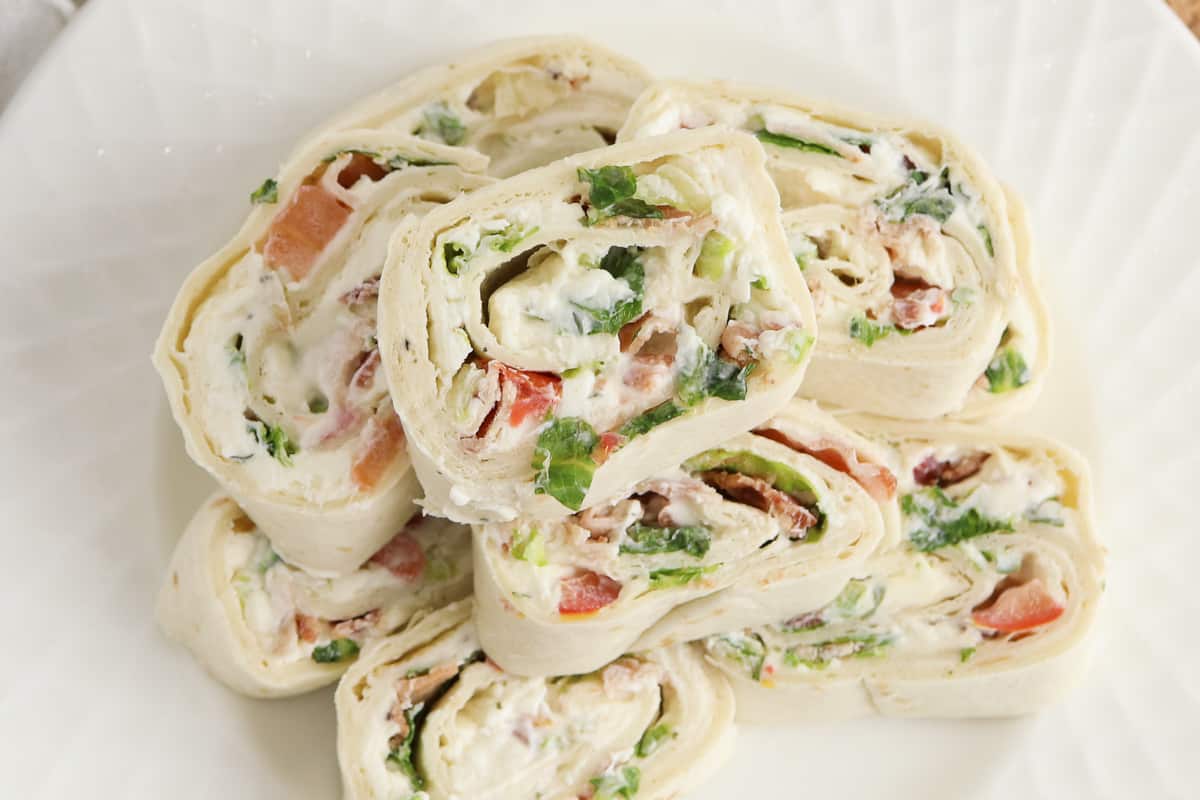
579,327
424,714
269,629
521,102
736,535
269,354
983,610
918,262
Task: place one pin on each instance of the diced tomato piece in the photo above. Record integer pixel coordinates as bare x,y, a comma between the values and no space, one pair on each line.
402,557
587,592
307,628
302,230
878,480
359,165
609,442
537,393
383,438
1019,608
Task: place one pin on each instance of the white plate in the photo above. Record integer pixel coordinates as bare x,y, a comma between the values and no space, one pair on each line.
128,156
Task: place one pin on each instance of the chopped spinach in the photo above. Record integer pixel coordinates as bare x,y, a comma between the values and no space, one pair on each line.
987,240
276,441
456,256
678,576
611,194
805,248
441,121
648,420
529,547
267,193
783,140
400,162
562,461
965,654
715,252
269,559
798,344
748,649
624,265
1007,371
509,237
613,785
942,522
335,652
819,655
940,207
919,195
691,539
400,759
712,376
868,331
652,739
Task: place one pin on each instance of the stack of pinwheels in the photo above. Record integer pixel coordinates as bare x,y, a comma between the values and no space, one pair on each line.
566,417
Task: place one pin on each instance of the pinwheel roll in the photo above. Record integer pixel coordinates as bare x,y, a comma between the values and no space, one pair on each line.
813,434
919,265
582,326
269,354
736,535
982,611
424,714
268,629
522,103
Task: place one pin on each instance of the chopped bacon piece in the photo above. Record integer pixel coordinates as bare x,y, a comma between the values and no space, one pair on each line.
654,508
359,166
419,688
650,333
1018,608
917,304
671,212
302,229
877,479
355,626
804,622
756,492
365,374
365,292
630,331
242,524
740,341
586,592
402,556
308,628
521,395
383,440
933,471
603,522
